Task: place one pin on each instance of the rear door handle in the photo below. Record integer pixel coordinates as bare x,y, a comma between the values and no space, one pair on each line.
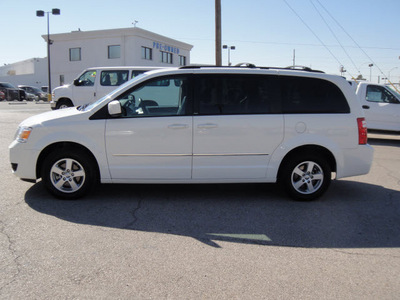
178,126
365,106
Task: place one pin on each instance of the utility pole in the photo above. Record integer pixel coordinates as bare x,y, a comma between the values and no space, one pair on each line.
218,42
294,58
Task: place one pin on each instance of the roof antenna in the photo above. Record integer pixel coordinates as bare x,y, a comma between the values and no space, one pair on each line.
134,23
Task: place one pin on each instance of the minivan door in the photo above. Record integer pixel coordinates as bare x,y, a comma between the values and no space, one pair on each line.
237,126
152,140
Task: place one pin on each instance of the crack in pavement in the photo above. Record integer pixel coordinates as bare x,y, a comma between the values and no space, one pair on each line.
134,216
14,255
364,254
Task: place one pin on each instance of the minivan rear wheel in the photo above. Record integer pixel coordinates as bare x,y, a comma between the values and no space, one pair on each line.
305,177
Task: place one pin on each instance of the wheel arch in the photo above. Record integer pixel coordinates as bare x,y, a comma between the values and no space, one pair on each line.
71,146
307,149
65,100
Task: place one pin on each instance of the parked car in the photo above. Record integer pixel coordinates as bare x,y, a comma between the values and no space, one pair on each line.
201,125
93,84
11,92
40,95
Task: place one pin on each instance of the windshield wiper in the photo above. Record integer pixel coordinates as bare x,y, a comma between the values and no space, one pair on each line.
82,107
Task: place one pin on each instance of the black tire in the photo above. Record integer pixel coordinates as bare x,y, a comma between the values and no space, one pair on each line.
305,177
69,173
63,103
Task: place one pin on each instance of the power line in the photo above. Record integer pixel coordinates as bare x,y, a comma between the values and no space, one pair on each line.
337,39
312,31
344,30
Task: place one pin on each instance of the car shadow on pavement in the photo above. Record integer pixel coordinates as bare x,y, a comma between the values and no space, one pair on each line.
349,215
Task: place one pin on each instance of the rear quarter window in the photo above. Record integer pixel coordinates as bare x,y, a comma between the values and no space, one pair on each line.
303,95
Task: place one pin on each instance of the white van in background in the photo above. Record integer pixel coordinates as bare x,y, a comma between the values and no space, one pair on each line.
92,84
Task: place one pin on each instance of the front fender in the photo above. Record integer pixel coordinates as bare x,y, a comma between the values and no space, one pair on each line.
87,134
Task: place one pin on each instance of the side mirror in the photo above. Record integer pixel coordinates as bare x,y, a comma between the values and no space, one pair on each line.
76,82
114,108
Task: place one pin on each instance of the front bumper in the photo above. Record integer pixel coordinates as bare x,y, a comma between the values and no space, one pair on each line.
23,161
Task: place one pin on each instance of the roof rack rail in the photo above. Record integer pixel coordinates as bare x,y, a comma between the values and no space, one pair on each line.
252,66
247,65
241,65
303,68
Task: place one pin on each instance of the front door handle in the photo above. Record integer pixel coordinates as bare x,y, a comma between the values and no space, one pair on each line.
207,126
365,106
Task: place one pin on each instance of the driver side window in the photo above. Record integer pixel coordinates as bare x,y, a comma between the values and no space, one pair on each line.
379,94
166,96
87,79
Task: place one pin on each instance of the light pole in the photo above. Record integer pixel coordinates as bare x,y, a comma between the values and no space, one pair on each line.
391,71
229,52
218,34
370,72
40,13
342,70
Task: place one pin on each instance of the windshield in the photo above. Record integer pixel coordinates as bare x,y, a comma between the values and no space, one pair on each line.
7,85
107,97
36,89
394,90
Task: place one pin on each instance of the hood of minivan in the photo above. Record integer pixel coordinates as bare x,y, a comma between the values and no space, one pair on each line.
58,114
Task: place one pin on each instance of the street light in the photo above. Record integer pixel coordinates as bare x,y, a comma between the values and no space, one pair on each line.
370,72
342,70
229,52
391,71
40,13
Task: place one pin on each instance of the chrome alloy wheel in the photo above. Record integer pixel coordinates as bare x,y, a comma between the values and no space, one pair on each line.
67,175
307,177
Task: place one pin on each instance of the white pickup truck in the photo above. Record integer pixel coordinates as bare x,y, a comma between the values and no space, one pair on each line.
381,105
93,84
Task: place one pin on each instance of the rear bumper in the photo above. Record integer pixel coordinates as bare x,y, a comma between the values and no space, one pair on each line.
356,161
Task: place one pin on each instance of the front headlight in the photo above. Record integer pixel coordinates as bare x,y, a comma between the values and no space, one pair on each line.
23,134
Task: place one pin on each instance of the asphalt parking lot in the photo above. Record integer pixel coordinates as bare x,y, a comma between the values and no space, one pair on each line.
244,241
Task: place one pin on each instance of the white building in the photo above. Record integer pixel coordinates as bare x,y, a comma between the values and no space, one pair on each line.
75,51
29,72
72,52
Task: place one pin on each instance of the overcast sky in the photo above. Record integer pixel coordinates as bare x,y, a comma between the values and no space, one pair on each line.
324,33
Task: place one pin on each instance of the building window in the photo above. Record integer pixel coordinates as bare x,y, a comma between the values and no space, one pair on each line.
62,80
114,51
74,54
182,60
166,57
147,53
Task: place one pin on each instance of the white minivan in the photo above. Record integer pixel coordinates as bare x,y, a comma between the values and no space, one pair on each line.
201,125
92,84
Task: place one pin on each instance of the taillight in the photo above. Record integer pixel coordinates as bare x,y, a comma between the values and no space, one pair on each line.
362,131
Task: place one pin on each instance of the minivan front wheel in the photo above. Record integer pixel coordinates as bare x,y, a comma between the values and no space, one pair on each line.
306,177
68,174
